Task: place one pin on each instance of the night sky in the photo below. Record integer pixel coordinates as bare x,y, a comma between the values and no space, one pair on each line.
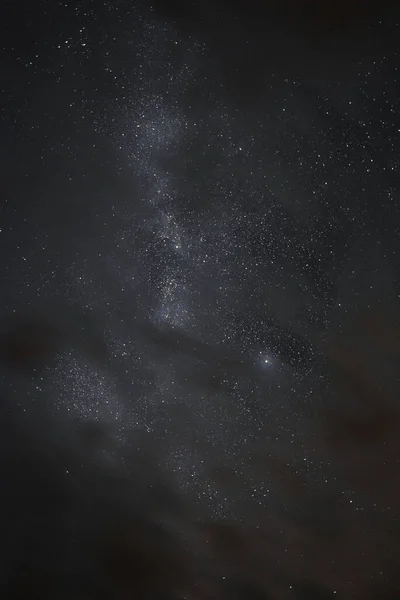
195,200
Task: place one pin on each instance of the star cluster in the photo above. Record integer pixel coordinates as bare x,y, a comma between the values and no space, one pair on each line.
218,238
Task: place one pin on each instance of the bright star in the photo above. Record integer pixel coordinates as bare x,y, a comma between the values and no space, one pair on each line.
265,360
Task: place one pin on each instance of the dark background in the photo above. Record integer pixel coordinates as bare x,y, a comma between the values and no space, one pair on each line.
196,198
